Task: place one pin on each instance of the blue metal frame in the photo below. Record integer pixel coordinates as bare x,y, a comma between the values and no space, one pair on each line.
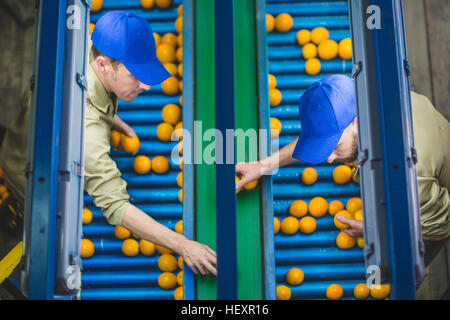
387,162
188,125
266,181
227,287
43,154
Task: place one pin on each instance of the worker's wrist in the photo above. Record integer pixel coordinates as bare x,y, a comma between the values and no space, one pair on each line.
265,166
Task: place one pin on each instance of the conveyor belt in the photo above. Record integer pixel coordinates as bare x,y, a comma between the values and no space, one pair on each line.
317,255
109,274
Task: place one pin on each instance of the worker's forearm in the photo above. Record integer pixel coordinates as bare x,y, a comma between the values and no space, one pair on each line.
280,158
147,228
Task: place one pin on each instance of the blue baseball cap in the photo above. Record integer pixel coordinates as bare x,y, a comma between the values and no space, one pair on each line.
128,38
326,109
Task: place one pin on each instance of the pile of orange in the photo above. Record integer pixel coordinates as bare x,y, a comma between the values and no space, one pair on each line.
344,241
309,176
167,262
147,248
87,214
160,164
307,225
341,225
142,164
270,22
130,247
96,5
318,207
289,225
167,280
275,126
87,248
298,208
342,174
130,144
283,292
283,22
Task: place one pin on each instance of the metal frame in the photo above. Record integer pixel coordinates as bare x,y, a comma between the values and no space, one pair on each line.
386,149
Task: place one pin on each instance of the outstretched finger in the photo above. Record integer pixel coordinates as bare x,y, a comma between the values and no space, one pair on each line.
210,268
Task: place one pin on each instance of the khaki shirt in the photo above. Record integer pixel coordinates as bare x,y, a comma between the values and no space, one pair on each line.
432,143
102,178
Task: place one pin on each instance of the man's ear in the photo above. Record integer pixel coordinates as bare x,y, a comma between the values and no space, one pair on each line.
102,63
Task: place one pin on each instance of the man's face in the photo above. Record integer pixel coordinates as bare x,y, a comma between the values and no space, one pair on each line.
347,148
125,86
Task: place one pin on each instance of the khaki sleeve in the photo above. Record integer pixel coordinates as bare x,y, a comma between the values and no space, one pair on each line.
102,177
434,208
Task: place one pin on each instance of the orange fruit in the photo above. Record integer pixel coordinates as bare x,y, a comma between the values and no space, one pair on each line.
180,10
345,49
147,248
178,132
180,262
130,144
344,241
274,97
335,206
298,208
309,51
179,227
334,292
179,54
180,40
179,24
380,291
180,165
180,195
353,205
318,207
283,292
358,215
167,262
309,176
361,291
164,131
272,81
87,248
135,236
171,113
275,127
142,164
339,224
270,22
178,293
91,27
312,66
147,4
165,52
87,216
171,68
167,280
157,38
251,185
3,190
283,22
236,180
180,147
180,179
180,70
163,3
295,276
303,37
289,225
180,278
328,50
170,39
360,242
160,164
116,137
162,250
181,85
307,225
181,100
319,35
121,232
130,247
96,5
276,225
170,86
342,174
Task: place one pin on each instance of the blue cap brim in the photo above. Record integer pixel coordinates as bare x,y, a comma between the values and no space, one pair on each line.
150,73
315,151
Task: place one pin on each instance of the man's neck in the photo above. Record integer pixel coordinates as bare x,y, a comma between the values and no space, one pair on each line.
101,77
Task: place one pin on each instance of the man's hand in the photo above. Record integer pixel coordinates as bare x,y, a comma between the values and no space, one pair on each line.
250,171
198,257
355,228
121,126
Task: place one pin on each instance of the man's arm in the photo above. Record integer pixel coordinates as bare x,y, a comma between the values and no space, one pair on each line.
254,170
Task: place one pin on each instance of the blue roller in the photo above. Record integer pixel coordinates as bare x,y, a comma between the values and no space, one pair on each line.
156,211
289,127
155,195
151,179
133,293
152,148
308,290
315,255
309,8
287,67
125,164
141,116
324,189
284,53
289,38
157,26
290,96
297,81
145,101
285,111
299,240
281,207
120,278
290,174
120,261
325,271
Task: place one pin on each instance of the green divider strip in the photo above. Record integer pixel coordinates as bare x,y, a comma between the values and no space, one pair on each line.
205,174
250,278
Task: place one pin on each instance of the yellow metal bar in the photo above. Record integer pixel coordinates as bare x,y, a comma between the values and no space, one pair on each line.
10,261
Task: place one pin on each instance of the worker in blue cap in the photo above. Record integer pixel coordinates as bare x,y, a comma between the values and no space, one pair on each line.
122,64
329,132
